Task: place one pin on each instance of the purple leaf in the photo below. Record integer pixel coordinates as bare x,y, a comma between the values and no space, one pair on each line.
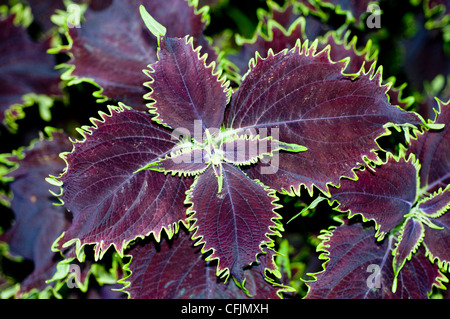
277,40
186,92
38,222
359,267
303,97
431,148
385,195
438,204
411,237
437,241
184,162
235,221
26,68
176,269
111,198
113,46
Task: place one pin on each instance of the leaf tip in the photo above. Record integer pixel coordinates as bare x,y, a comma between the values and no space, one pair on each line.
154,26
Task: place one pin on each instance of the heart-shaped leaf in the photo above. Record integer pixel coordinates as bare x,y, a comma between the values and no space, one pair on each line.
233,221
431,148
186,92
437,240
113,200
385,195
303,97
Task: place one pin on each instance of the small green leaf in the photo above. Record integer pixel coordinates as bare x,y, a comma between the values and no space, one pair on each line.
291,147
154,26
435,126
311,206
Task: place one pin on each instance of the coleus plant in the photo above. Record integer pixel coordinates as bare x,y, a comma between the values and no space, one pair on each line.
213,159
408,198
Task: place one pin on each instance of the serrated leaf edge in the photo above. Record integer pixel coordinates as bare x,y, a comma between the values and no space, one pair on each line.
99,248
398,268
374,73
389,156
274,230
217,73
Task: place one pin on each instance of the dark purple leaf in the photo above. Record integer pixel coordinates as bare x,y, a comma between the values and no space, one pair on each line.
112,199
431,149
437,241
410,239
186,92
385,195
234,221
360,267
303,97
26,68
176,269
113,45
38,222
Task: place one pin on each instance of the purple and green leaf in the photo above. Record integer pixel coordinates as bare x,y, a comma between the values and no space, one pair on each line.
185,91
389,195
410,239
385,194
112,199
152,275
303,96
437,232
235,220
431,149
360,267
113,45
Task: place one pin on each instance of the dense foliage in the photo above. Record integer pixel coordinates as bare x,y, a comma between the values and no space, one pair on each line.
224,149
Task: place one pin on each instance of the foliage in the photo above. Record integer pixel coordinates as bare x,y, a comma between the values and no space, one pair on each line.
206,149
